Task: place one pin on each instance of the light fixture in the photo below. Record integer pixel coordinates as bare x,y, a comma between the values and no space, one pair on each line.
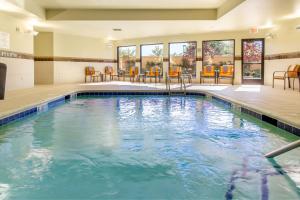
270,36
117,29
26,31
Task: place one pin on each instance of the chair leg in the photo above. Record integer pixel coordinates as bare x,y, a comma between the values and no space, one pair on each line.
273,83
284,84
294,84
289,82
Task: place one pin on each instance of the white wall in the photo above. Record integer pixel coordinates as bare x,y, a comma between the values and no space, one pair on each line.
20,72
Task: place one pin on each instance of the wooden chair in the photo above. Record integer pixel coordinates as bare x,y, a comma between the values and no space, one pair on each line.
175,72
227,72
93,74
208,71
291,73
154,73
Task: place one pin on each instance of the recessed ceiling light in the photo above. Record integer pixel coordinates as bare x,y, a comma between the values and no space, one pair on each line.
117,29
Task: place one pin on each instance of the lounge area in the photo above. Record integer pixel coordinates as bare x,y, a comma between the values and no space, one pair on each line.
131,100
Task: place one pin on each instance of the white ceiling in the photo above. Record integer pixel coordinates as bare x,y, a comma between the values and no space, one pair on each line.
126,4
260,13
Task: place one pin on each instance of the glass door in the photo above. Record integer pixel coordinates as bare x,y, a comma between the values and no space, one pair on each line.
253,51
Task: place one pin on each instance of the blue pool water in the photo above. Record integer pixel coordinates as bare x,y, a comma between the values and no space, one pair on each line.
133,147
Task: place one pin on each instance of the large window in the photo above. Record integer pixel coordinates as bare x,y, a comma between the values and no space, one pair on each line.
126,57
218,52
152,58
183,57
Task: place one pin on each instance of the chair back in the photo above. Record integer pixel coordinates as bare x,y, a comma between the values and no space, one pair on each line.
108,70
174,71
89,71
154,71
133,71
226,70
293,71
208,70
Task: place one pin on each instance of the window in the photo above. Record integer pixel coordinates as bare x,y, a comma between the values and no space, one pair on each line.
253,61
218,52
183,57
126,57
152,58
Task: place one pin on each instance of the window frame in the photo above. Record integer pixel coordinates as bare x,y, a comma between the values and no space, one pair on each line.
219,40
118,55
196,53
141,57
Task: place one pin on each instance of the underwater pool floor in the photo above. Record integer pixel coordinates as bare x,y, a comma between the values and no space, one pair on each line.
145,147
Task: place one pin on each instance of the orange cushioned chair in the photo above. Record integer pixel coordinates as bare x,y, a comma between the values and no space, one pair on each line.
133,73
92,73
207,72
292,72
154,73
227,71
175,72
109,70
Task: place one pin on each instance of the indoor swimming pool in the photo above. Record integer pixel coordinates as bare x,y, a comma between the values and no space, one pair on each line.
145,147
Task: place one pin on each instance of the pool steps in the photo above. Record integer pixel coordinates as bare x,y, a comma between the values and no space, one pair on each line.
42,107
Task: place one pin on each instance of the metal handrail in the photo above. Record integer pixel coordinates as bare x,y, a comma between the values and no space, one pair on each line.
284,149
168,83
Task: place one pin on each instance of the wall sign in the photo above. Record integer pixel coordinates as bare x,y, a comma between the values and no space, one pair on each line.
4,40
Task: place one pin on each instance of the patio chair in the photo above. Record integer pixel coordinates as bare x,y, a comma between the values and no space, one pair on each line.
208,71
175,72
93,74
227,72
291,73
154,73
109,70
133,73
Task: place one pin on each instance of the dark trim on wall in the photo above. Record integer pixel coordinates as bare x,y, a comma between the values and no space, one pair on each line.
281,56
74,59
18,55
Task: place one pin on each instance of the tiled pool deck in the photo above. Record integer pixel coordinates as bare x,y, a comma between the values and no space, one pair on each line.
281,105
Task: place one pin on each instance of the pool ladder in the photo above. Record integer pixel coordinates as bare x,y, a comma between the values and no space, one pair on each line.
182,86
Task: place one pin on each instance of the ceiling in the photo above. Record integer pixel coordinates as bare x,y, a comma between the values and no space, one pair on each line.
130,4
250,13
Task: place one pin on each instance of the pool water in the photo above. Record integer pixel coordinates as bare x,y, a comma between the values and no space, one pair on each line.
145,147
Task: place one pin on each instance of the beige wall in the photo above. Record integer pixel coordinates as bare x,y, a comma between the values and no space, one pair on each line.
43,44
79,46
285,41
72,46
20,72
43,70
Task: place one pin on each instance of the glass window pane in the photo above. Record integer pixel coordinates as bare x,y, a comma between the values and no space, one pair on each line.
127,56
183,58
218,52
152,59
252,51
251,71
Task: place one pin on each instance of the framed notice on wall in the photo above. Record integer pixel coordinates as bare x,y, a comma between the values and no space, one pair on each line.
4,40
